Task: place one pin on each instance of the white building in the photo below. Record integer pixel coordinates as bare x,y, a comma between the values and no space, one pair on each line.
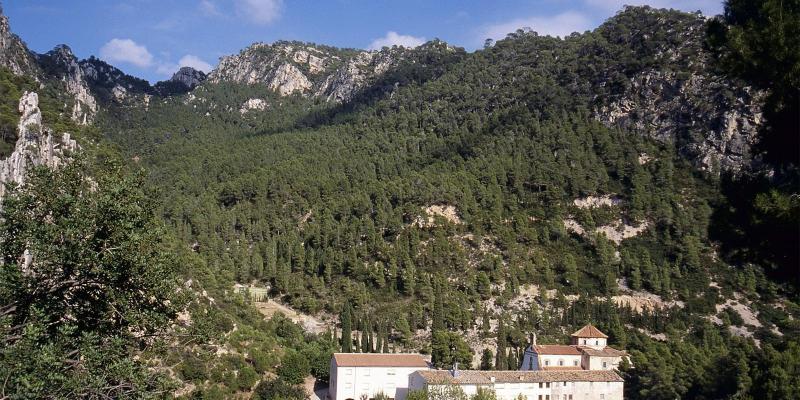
356,374
533,385
588,351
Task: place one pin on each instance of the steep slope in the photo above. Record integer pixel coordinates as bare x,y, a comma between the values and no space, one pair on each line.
335,75
534,185
14,55
36,145
668,90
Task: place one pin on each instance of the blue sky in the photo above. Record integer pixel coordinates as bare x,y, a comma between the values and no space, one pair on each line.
152,38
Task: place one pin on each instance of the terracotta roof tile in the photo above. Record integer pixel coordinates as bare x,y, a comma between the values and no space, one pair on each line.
589,331
562,368
606,352
557,349
485,377
379,360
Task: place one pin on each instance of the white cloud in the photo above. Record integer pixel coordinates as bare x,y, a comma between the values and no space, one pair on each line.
260,12
209,9
558,25
708,7
393,38
195,62
126,51
189,60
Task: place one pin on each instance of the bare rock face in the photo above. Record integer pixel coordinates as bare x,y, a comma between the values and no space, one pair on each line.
62,63
290,68
188,77
14,55
713,122
35,145
672,94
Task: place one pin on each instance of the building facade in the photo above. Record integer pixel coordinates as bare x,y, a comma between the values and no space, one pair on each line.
588,350
532,385
353,375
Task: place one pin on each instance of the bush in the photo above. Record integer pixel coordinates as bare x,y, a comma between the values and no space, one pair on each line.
246,378
193,369
294,367
278,389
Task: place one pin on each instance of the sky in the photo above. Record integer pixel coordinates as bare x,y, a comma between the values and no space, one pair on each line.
151,39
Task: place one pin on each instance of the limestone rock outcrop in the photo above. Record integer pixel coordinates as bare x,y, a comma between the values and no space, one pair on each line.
188,77
290,68
62,63
35,145
14,55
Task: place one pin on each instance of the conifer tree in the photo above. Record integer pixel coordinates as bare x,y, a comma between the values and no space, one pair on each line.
347,329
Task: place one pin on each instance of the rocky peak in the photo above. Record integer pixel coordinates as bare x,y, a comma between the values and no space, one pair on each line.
306,69
667,90
109,83
188,77
14,55
35,145
62,64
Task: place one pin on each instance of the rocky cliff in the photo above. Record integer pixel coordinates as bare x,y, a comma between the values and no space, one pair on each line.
666,89
305,69
62,64
14,55
185,80
36,145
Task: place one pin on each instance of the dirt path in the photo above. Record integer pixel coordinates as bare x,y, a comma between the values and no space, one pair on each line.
308,322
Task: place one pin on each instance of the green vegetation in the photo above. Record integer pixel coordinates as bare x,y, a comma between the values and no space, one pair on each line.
87,279
326,206
334,209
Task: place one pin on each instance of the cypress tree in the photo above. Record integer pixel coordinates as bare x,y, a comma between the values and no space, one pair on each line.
347,329
501,358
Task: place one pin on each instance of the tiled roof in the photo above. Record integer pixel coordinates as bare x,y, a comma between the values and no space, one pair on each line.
606,352
562,368
589,331
379,360
557,350
485,377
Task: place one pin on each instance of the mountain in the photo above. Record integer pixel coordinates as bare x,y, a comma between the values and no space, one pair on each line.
535,185
186,79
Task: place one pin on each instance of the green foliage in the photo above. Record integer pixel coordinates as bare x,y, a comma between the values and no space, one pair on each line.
448,348
294,368
274,389
484,394
87,277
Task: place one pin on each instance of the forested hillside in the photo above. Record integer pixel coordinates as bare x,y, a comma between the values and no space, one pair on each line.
439,194
453,202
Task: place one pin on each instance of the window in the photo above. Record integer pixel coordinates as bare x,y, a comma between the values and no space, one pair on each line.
541,385
575,363
541,397
597,342
390,371
565,384
547,397
602,396
605,365
570,397
560,363
546,362
547,385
